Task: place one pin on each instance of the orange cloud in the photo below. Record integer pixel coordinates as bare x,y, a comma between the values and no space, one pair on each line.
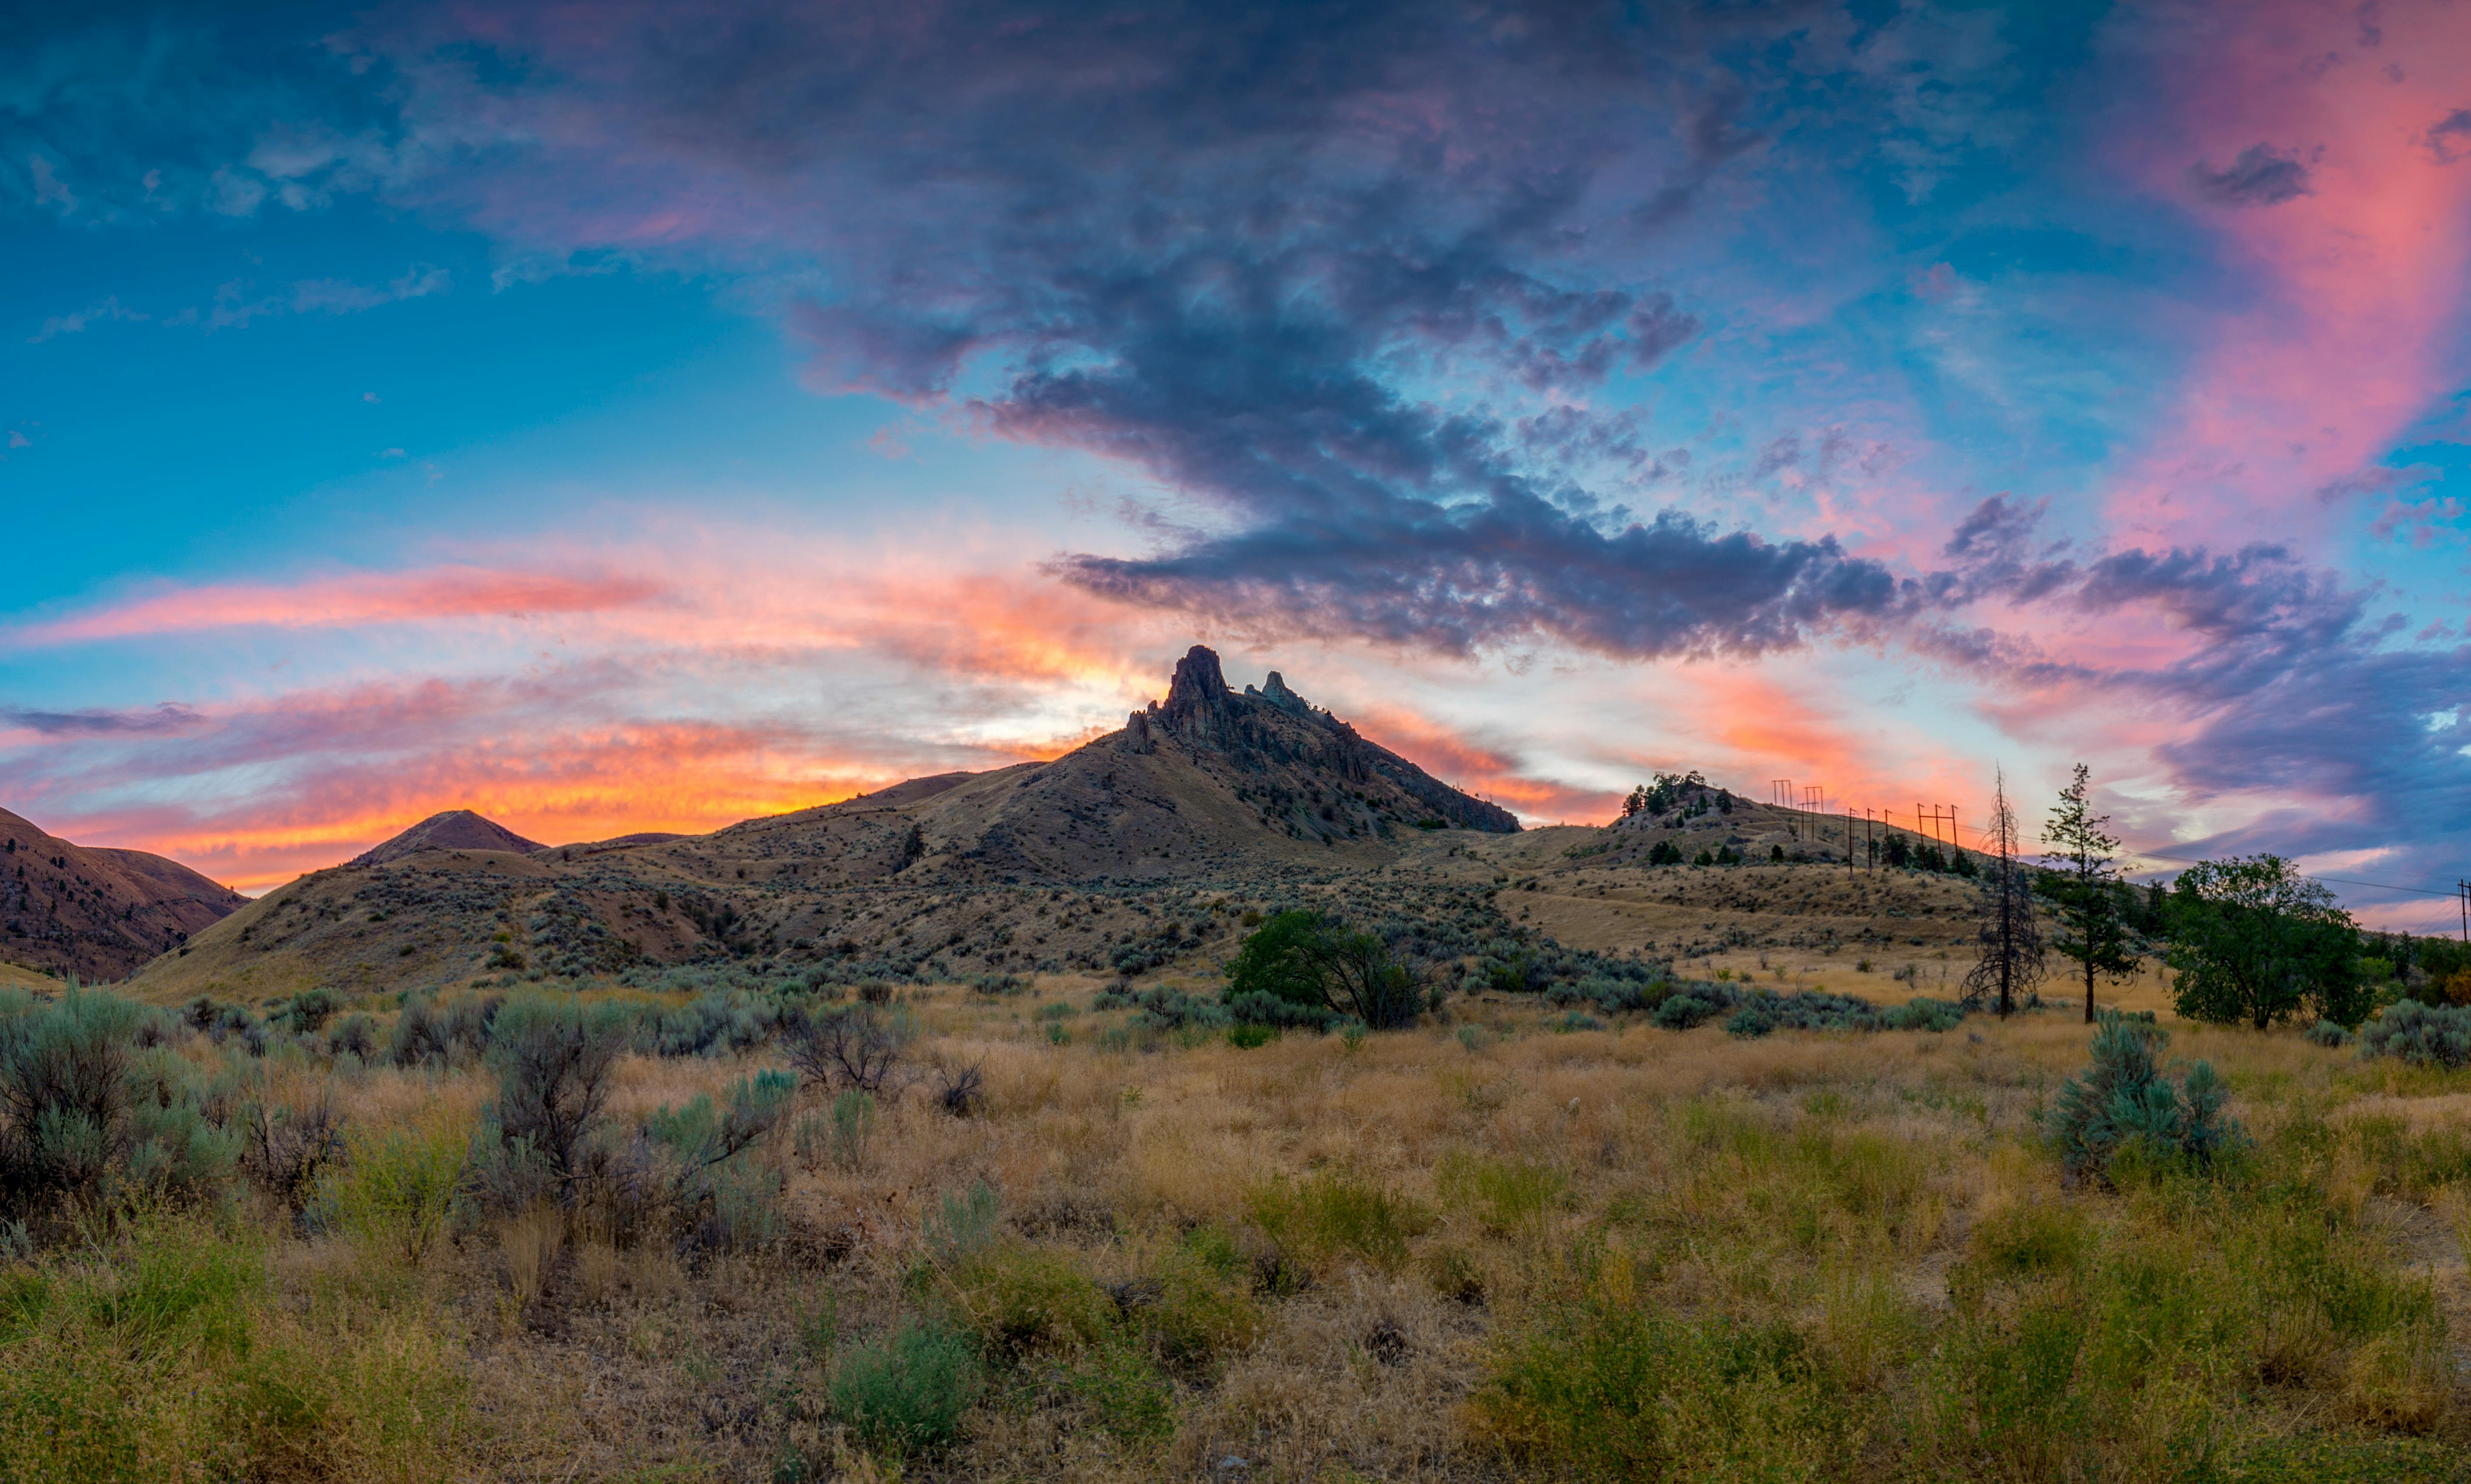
1473,767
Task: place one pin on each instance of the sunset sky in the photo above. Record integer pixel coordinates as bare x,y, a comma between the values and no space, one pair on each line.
626,416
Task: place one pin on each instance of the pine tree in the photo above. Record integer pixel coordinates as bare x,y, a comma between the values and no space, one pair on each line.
2085,887
2012,960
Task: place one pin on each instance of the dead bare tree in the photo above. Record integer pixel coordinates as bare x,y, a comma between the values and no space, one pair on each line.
2012,960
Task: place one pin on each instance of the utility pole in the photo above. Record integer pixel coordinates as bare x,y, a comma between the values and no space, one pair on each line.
2462,889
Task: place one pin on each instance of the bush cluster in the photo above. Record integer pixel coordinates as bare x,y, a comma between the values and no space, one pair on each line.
2425,1035
2125,1101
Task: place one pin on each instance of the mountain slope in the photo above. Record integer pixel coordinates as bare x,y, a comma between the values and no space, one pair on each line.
95,911
1205,787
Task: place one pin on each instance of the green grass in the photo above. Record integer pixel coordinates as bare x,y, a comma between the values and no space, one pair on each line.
907,1391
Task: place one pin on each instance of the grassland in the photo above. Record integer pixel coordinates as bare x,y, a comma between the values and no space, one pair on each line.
1478,1249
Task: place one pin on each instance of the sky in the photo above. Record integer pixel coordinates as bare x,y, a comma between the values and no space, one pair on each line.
642,416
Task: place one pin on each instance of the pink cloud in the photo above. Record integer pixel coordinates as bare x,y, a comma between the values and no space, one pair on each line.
2354,235
356,601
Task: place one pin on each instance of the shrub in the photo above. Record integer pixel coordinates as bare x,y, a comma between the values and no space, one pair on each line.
428,1032
960,1224
906,1392
1603,1391
1168,1008
853,1124
2421,1034
726,1201
307,1011
1682,1012
2326,1033
88,1116
857,1045
555,1063
1919,1013
1125,1395
1199,1311
285,1147
2123,1099
962,1091
1251,1037
712,1024
1254,1008
355,1034
393,1188
1023,1299
1748,1022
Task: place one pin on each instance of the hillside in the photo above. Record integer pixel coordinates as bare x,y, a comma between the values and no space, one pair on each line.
94,911
1140,852
1042,867
456,829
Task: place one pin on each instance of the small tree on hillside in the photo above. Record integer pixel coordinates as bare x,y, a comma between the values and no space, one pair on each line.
2084,887
2252,939
2012,960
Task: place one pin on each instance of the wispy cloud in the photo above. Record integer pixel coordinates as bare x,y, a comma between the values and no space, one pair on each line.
356,601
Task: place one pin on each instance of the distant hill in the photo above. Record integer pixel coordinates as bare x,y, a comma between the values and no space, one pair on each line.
456,829
1205,785
94,911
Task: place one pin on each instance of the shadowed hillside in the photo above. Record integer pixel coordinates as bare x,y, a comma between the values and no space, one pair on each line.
94,911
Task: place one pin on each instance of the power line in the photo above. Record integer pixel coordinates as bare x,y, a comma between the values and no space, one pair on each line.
2344,881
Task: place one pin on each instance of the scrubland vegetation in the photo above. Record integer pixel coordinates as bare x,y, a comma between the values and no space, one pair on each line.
995,1232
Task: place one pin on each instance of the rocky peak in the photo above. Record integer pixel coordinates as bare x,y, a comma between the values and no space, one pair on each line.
1199,685
1277,693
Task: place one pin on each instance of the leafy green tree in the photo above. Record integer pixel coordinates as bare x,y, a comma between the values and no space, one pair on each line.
1361,975
2252,939
1303,959
1277,961
2082,887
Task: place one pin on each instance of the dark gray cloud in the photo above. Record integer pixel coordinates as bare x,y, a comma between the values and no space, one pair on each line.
2449,139
2261,177
1239,247
1465,578
165,718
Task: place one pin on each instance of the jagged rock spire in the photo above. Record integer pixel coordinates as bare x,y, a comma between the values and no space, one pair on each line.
1199,685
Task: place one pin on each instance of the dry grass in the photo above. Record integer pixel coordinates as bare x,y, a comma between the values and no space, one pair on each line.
1324,1262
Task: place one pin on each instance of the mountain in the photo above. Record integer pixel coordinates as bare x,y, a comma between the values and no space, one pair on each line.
94,911
1208,789
456,829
